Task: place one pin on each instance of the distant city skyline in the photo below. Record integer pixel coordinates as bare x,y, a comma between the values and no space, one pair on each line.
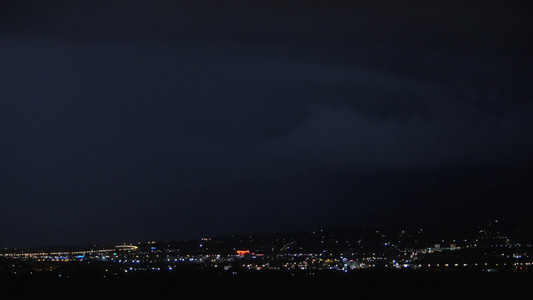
485,249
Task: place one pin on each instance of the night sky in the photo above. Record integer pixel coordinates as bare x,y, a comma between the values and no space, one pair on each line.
124,121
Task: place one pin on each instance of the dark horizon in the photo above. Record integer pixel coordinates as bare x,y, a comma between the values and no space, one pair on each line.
161,120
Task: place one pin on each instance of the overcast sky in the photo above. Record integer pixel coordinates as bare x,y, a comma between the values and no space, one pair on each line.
129,120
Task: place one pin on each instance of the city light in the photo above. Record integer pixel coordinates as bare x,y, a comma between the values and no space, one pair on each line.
487,251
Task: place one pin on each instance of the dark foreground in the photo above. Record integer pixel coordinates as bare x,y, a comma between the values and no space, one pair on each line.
200,284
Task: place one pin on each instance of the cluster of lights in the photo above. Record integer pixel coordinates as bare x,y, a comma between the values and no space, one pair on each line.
154,256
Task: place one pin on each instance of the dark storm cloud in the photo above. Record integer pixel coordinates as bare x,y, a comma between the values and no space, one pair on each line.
185,107
136,121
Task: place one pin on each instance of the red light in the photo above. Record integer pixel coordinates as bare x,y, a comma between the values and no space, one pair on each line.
242,252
